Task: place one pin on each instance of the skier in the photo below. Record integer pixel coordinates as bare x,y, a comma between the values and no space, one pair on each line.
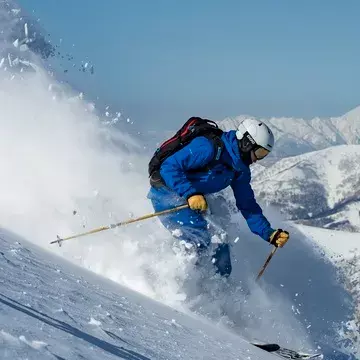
206,165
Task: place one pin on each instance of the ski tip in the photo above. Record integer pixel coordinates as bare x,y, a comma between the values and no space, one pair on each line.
286,353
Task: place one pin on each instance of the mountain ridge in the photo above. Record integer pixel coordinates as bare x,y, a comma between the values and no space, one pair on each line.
295,136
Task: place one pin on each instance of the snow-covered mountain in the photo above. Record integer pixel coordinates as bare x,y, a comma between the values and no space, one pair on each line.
296,136
321,188
349,126
312,174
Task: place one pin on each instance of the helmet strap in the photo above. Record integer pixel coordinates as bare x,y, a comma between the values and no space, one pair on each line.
246,144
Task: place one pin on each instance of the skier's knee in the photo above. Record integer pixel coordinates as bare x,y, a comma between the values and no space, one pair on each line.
221,260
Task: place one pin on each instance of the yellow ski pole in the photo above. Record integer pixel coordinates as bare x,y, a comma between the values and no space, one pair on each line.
112,226
273,251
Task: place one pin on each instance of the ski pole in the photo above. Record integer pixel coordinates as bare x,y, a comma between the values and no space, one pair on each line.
273,251
112,226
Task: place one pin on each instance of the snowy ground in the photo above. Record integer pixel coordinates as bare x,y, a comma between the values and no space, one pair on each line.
343,250
51,309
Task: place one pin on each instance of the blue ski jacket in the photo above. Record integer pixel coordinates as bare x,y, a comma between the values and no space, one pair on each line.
179,174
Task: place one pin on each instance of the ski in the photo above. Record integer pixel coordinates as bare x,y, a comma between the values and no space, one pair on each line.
286,353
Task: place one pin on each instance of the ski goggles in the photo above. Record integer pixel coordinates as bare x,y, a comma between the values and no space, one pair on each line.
261,152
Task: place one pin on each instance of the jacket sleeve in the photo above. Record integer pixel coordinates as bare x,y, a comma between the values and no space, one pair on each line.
250,209
198,153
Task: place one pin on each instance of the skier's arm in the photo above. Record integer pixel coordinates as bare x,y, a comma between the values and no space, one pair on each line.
250,209
198,153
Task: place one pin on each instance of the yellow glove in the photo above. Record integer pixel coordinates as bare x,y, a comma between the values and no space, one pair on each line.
197,202
279,238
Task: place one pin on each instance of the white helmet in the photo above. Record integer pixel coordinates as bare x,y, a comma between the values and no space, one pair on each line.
253,134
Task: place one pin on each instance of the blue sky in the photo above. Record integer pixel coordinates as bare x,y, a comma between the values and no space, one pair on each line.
166,60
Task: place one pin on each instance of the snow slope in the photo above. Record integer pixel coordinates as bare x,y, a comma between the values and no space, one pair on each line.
50,309
343,249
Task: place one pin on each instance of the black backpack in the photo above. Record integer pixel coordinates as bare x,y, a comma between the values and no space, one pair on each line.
194,127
